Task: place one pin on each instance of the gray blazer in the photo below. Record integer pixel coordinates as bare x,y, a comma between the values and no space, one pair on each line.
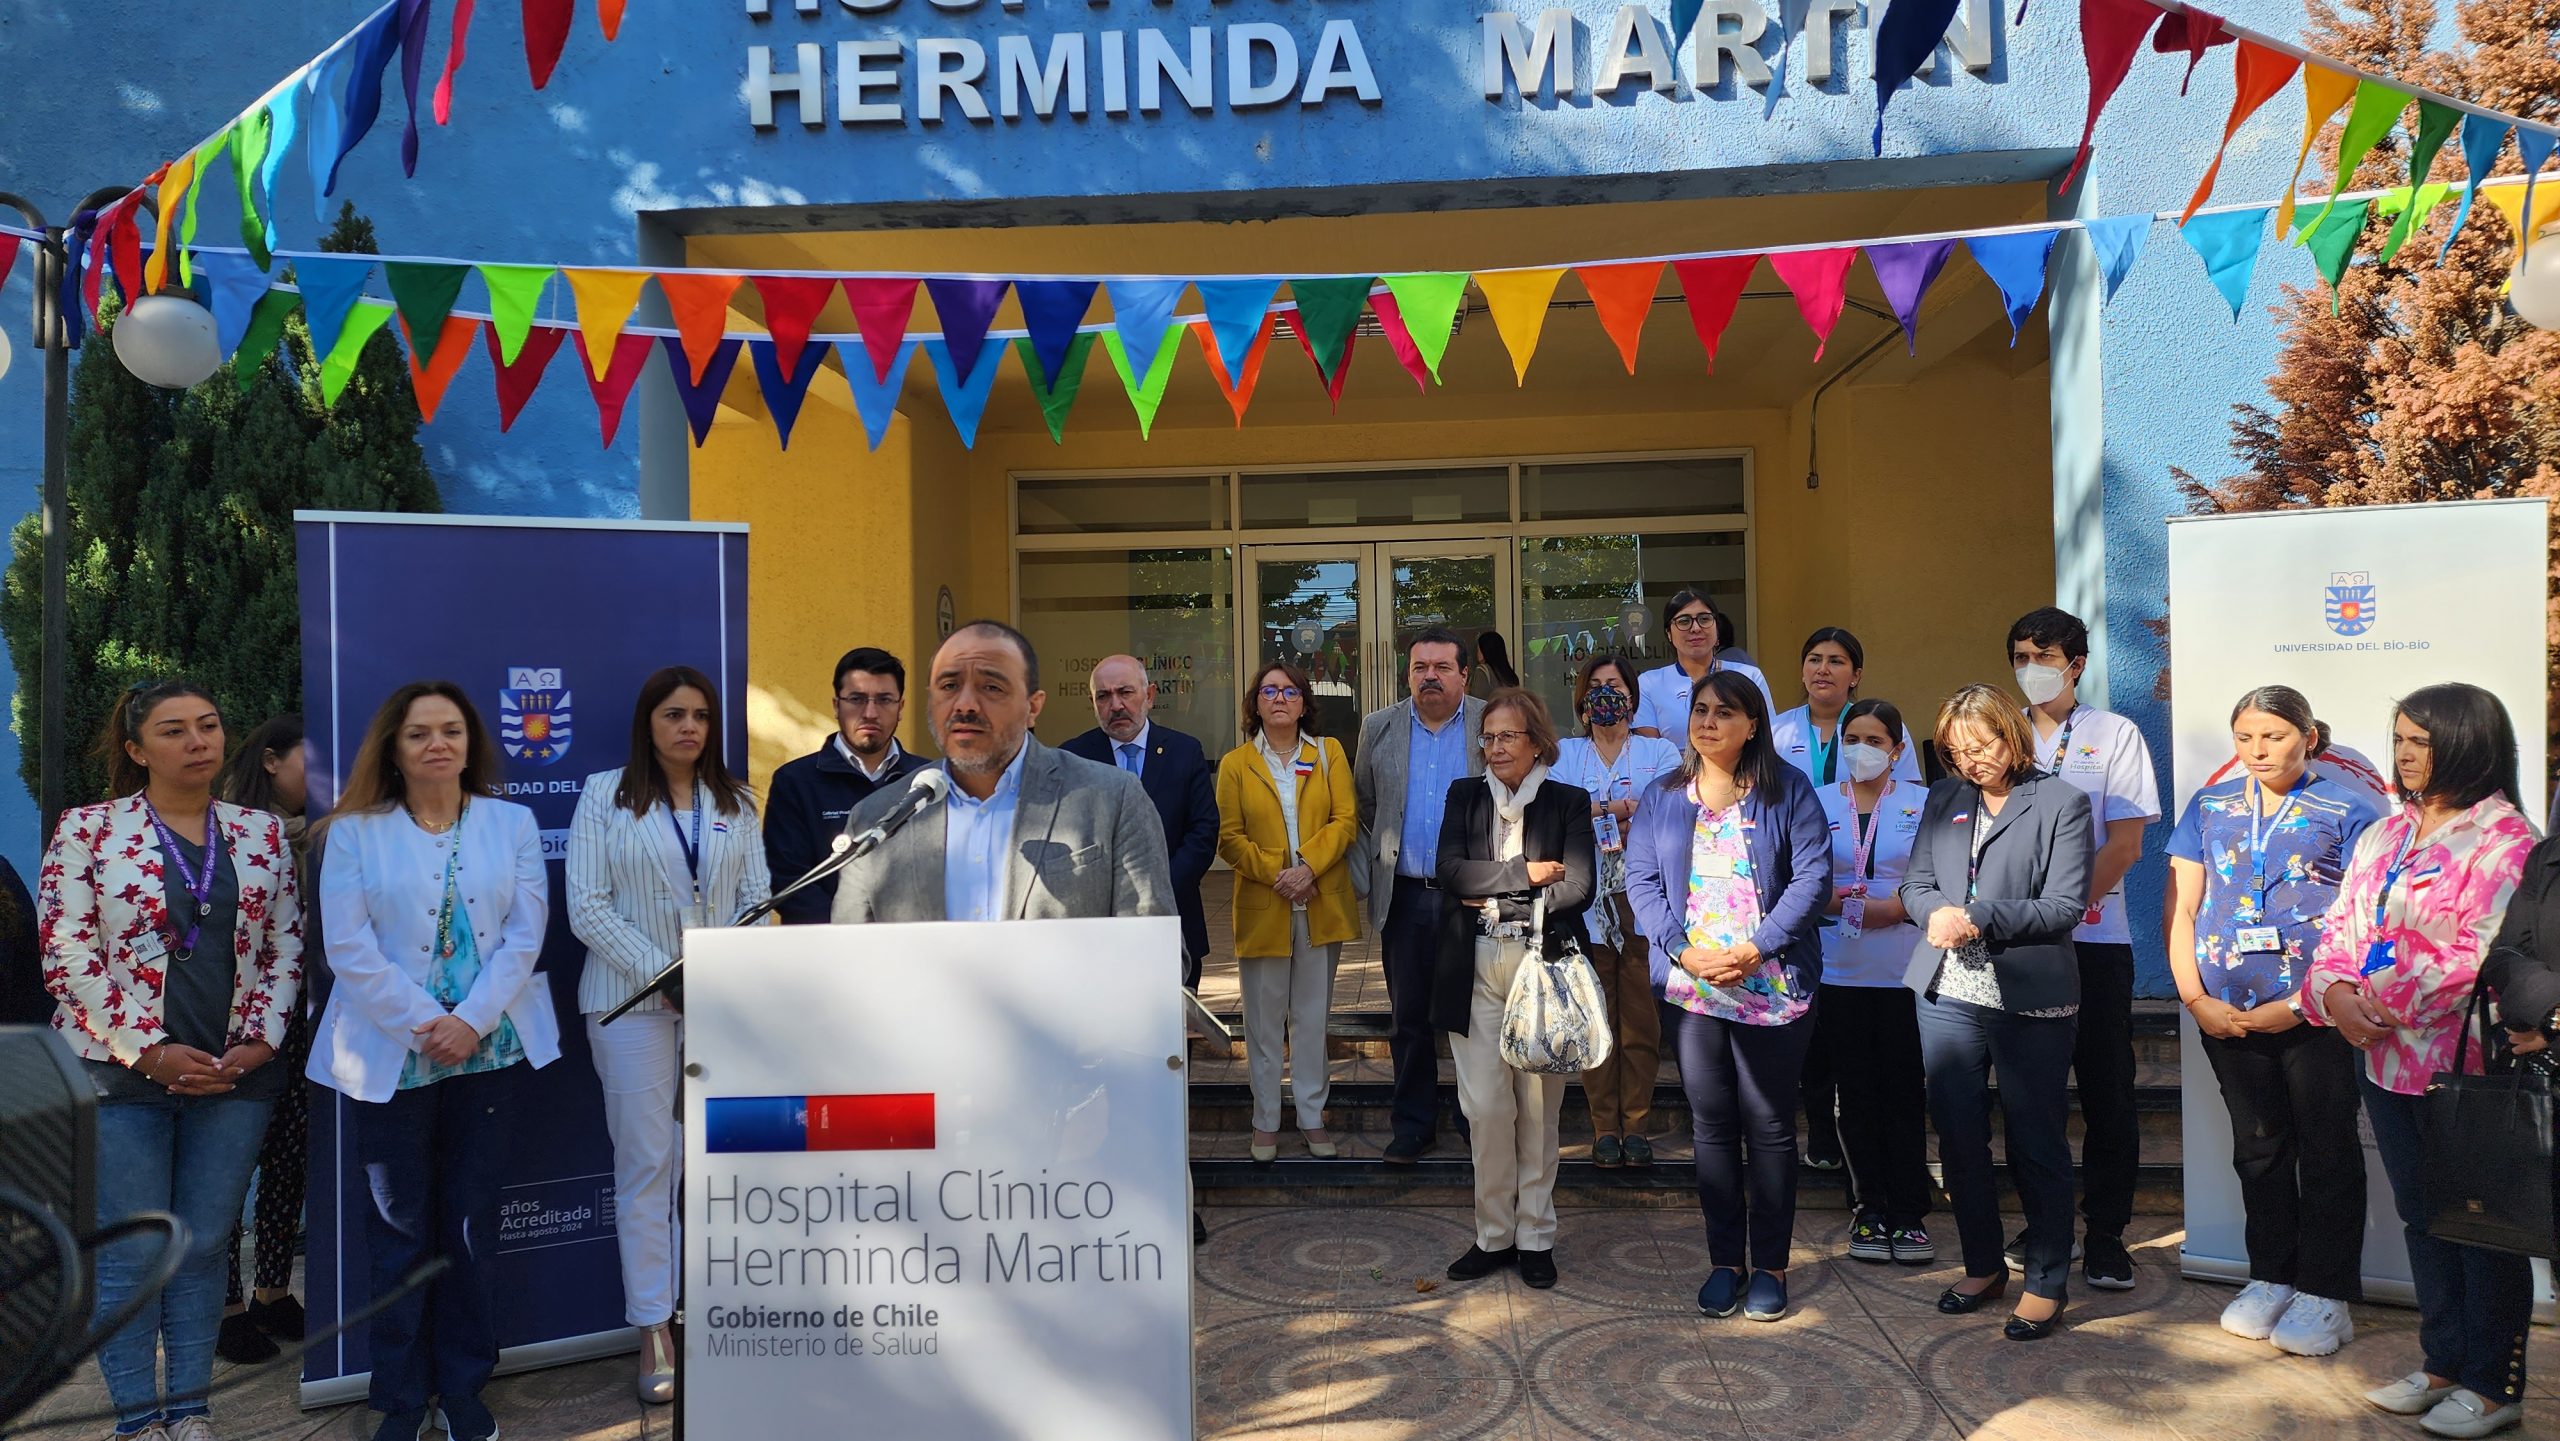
1087,843
2031,892
1377,780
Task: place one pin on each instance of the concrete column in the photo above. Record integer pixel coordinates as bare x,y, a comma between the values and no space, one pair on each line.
2077,291
666,445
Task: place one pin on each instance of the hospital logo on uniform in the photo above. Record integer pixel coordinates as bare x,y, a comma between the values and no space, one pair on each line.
2351,605
533,715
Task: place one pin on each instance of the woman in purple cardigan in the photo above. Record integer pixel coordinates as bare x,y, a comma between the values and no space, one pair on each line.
1729,868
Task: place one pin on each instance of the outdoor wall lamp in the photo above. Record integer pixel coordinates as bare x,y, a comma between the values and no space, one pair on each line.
2533,287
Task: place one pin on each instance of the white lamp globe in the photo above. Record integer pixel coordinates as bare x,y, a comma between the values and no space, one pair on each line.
2533,287
168,341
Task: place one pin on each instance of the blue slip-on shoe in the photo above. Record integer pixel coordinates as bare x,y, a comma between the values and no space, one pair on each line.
1767,1300
1722,1295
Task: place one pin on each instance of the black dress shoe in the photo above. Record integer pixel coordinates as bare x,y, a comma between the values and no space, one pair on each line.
281,1318
1956,1303
1405,1150
242,1342
2022,1329
1199,1230
1537,1269
1479,1263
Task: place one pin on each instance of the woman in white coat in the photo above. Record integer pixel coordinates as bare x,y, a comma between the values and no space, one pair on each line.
433,903
666,844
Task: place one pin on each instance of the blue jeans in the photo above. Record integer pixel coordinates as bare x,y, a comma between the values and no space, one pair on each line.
433,1159
190,1156
2473,1305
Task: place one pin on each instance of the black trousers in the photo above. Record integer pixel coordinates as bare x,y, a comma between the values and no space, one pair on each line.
1961,1044
1872,1035
282,1173
432,1159
1822,1125
2102,1068
2474,1307
2292,1097
1742,1082
1409,950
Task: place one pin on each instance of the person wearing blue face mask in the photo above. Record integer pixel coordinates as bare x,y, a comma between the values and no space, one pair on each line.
1615,766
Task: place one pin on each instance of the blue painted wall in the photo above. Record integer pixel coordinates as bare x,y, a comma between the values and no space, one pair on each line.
101,90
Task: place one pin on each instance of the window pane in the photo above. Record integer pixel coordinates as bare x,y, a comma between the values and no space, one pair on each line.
1124,503
1377,497
1585,593
1307,613
1587,490
1173,609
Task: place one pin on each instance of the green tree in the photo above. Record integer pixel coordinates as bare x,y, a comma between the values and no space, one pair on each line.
181,525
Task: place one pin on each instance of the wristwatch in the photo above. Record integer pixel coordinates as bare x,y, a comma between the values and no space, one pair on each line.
2293,1003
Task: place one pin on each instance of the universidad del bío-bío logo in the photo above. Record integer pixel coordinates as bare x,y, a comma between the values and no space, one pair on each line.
2351,606
533,714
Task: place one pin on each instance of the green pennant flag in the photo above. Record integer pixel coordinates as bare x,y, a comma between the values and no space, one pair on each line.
1328,311
2377,108
213,150
2413,212
2435,124
249,137
1145,395
363,321
425,293
1059,398
258,342
2332,245
514,290
1430,305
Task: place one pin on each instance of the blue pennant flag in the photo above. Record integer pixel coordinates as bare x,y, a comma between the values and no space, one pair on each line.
234,285
1235,309
966,399
1141,310
2016,263
2117,242
285,111
2482,138
324,118
370,53
330,285
783,394
2227,242
1051,311
2536,147
875,398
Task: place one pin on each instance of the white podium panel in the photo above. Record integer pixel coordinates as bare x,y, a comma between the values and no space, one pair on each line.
935,1182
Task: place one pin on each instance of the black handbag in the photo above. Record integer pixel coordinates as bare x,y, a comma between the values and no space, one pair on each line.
2488,1150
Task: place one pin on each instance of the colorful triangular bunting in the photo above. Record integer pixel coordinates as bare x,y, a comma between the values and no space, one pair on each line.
965,399
2260,73
368,54
1905,37
700,393
2376,110
699,301
1819,280
1239,310
604,300
330,285
1400,339
1905,271
2111,33
2117,241
875,392
2332,242
1328,312
884,309
2482,138
250,135
1146,391
784,391
364,322
517,378
425,293
258,342
2227,242
1622,296
964,308
1239,386
233,288
454,48
1428,304
1057,397
791,306
1142,313
2016,264
1711,287
1518,300
611,388
2325,92
1341,367
2193,31
546,34
1051,312
514,293
429,378
2435,126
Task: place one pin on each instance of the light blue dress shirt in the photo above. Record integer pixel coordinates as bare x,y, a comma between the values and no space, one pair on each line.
976,845
1433,760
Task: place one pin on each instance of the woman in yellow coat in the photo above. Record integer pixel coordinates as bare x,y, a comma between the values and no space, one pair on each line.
1286,823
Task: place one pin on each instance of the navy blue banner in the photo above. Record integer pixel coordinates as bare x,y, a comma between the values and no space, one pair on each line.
550,626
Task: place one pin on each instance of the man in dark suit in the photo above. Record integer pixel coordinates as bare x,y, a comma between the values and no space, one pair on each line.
812,795
1177,776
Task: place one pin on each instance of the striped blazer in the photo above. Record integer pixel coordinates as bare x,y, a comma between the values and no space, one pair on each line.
628,883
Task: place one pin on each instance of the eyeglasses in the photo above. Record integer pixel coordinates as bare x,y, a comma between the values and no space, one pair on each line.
862,701
1693,622
1967,755
1504,738
1280,692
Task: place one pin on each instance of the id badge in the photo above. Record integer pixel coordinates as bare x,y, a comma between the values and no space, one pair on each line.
696,917
150,951
1853,918
2260,940
2380,956
1717,868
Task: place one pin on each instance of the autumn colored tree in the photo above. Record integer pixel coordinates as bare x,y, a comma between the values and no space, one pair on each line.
2419,384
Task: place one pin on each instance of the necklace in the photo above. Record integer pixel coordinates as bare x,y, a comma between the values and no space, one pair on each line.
420,823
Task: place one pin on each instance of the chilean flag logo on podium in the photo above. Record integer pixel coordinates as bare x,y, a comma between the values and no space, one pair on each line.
763,1125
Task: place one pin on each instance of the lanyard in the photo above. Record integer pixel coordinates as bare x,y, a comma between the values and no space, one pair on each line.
444,915
2258,840
691,844
1866,828
1824,756
200,887
2062,742
2391,878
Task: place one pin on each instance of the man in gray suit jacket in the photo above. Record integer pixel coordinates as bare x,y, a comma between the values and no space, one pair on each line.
1027,833
1409,754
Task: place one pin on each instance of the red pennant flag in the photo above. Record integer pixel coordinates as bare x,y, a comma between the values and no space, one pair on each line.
546,34
630,356
516,382
1820,281
1623,296
883,308
1239,389
124,249
443,104
1341,368
453,342
2111,31
1712,287
2194,31
609,15
1400,339
2261,73
791,306
700,303
8,256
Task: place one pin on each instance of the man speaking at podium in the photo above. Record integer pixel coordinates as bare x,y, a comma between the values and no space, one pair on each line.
1028,833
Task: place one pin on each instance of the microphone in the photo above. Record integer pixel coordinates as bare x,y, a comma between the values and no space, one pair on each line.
923,789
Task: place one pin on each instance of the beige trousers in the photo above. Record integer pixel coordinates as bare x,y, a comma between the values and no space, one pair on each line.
1288,1003
1511,1115
1621,1090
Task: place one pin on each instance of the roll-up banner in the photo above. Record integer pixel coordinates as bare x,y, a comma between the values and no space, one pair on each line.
2354,607
550,626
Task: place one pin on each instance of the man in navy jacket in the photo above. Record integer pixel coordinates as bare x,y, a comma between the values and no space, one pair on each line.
1177,777
812,795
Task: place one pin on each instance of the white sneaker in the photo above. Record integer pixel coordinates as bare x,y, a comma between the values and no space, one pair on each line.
2408,1396
2314,1326
2468,1413
191,1428
2252,1314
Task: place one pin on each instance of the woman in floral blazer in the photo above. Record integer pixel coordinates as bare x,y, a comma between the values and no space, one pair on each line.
172,936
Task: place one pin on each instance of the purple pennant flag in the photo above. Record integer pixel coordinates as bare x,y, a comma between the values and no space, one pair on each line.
1236,309
965,308
370,53
702,401
1051,311
2015,263
413,54
965,398
1906,272
783,394
1141,310
874,397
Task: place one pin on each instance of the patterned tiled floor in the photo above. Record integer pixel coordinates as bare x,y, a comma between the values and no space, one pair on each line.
1333,1325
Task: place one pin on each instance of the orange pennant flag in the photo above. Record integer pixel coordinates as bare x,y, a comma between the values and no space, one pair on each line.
1518,300
2325,92
2261,73
1623,296
175,180
609,15
453,342
1238,389
700,304
604,298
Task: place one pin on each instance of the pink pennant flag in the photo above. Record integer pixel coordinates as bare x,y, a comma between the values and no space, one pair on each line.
1400,339
883,308
1820,282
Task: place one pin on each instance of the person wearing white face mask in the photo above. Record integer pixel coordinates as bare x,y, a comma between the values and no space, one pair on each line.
2104,756
1867,1025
